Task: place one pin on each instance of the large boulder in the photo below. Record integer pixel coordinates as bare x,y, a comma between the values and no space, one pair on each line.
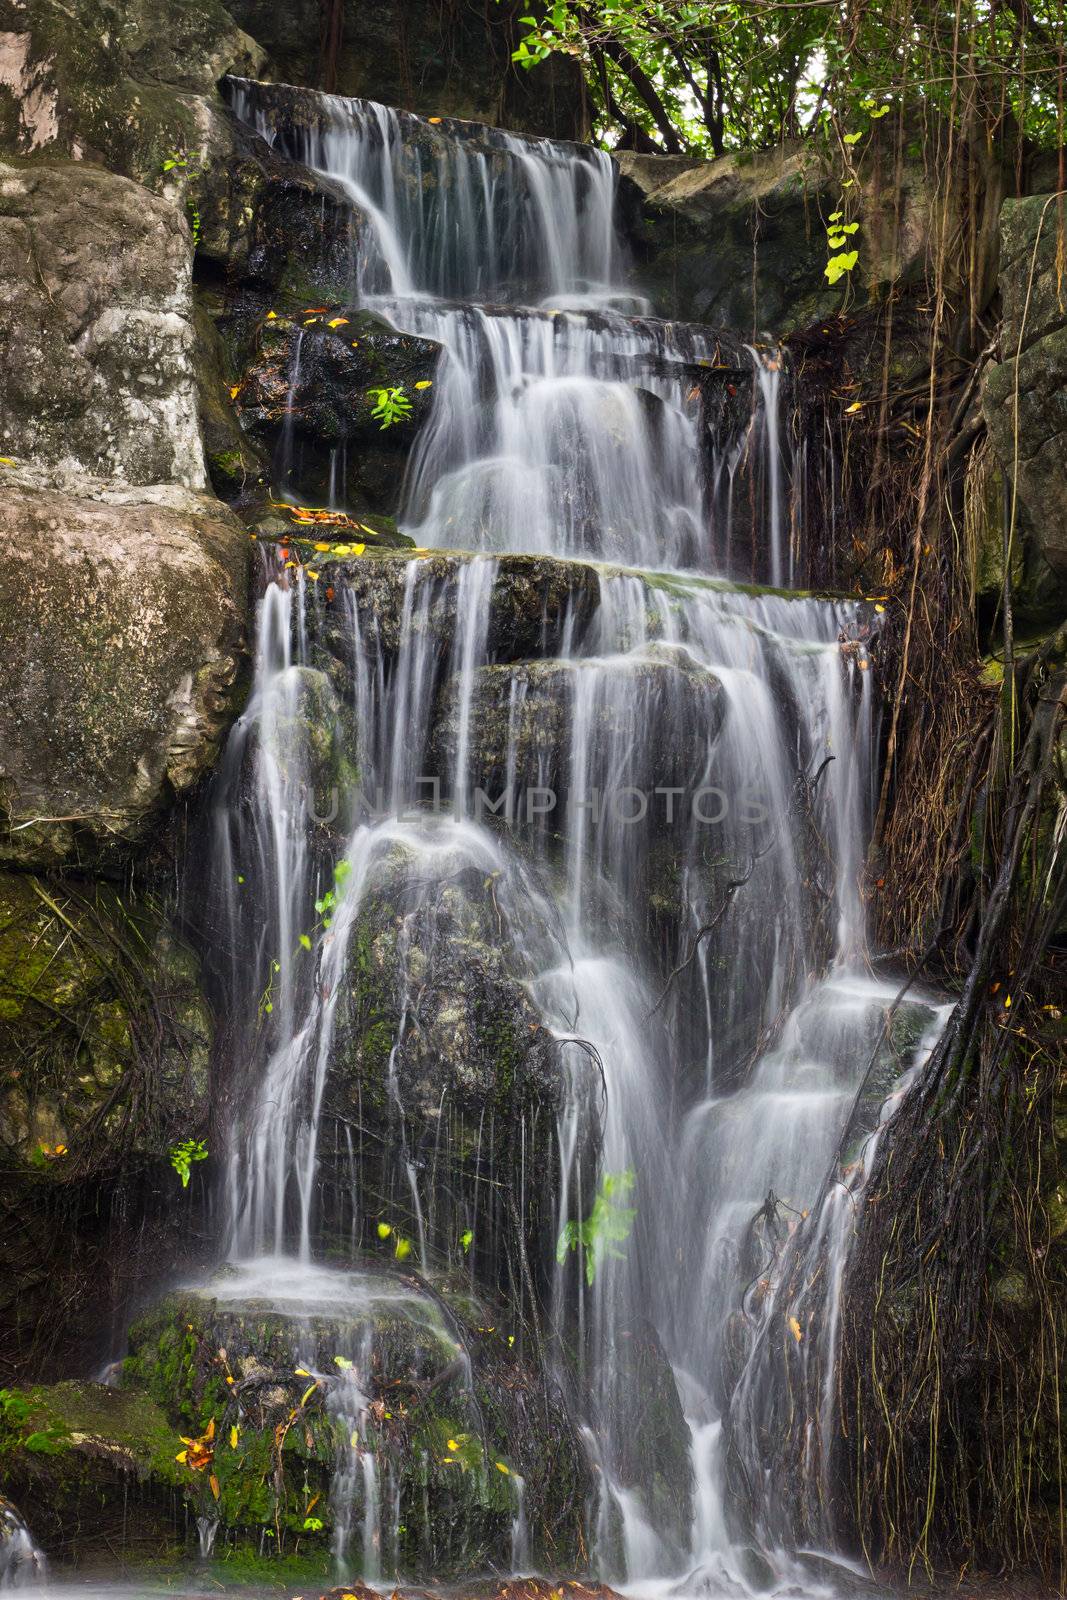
96,335
442,1060
127,86
1024,397
123,626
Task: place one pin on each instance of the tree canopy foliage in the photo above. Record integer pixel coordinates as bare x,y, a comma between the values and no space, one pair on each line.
706,76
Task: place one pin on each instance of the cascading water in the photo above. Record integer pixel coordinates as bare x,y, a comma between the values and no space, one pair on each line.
663,786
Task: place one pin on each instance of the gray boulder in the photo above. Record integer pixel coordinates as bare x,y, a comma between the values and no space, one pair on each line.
96,334
122,621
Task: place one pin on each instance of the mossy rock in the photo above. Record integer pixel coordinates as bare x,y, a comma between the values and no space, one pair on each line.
441,1066
276,1377
94,1471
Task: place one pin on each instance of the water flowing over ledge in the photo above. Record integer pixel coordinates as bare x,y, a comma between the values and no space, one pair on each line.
550,1030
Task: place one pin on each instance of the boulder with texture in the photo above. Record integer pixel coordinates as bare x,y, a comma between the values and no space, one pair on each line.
122,621
96,333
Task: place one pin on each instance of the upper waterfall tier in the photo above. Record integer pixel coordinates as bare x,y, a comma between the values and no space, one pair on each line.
564,421
459,210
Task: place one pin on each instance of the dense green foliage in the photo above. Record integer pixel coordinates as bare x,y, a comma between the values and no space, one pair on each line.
706,76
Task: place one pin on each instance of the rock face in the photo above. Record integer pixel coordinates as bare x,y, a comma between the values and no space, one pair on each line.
1024,397
286,1383
125,86
308,393
123,626
104,1047
440,60
96,335
740,242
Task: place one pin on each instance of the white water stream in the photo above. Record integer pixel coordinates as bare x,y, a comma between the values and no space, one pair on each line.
710,948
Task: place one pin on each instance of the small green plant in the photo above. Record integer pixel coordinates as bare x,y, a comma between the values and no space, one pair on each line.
183,1155
838,233
326,903
390,405
266,999
607,1226
184,168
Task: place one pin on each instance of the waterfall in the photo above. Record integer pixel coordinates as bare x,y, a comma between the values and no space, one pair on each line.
22,1565
661,784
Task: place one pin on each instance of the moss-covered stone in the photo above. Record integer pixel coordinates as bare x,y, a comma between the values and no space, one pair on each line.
285,1394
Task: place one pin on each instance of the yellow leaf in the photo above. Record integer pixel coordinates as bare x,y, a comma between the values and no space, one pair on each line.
384,1230
424,383
403,1249
308,1392
310,573
213,1483
182,1455
209,1431
302,1372
795,1329
234,1435
7,461
434,120
857,405
1007,1002
452,1445
235,389
272,316
500,1467
879,609
322,547
337,322
353,1439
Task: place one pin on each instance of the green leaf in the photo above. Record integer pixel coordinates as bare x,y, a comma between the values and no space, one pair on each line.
853,138
305,941
837,266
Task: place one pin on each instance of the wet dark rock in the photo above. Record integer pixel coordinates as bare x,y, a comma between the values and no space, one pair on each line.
453,63
306,393
104,1046
1024,401
123,626
665,723
652,1438
535,602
